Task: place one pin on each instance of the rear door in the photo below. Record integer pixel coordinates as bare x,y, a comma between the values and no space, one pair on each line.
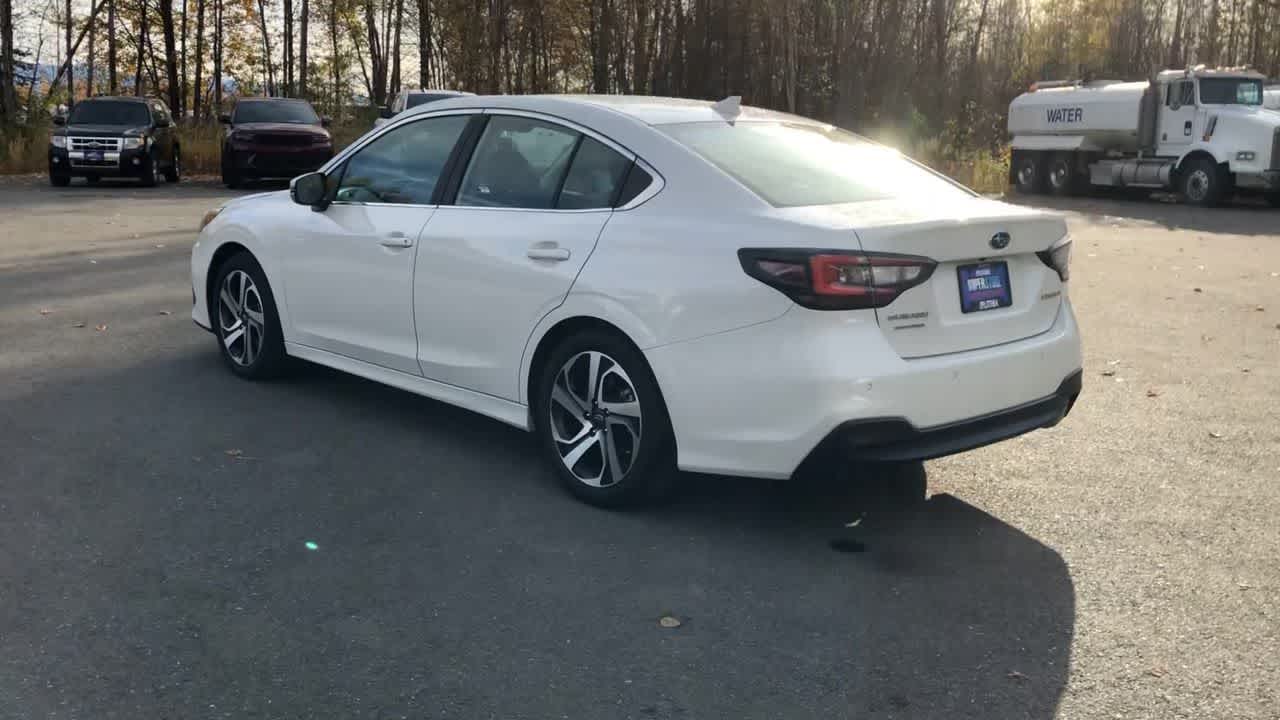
530,205
989,286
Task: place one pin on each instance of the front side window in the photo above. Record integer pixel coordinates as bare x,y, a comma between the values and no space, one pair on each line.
518,163
402,166
794,164
1230,91
275,111
110,112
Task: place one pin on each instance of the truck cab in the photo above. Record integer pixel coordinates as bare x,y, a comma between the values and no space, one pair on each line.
1203,132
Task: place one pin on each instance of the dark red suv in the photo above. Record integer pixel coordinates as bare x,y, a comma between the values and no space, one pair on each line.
273,138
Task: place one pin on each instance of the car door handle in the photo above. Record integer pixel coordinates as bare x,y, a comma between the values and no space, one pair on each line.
557,254
396,240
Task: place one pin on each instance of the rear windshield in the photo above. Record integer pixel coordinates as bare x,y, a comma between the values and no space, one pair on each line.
417,99
275,112
110,112
795,164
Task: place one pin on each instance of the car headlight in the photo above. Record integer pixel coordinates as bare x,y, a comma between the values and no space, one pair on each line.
58,141
132,143
1245,155
209,216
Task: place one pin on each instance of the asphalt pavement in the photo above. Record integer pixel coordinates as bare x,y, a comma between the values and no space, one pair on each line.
178,543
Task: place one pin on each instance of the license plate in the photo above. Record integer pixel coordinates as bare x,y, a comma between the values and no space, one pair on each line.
984,286
93,155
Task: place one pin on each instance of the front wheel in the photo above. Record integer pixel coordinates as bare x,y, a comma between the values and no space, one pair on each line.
245,319
150,171
601,422
1028,173
1203,182
174,173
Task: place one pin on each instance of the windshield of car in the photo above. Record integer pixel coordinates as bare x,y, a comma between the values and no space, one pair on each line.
275,112
417,99
1230,91
110,112
793,164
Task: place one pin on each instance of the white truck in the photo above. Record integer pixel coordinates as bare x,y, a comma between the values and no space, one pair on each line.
1202,132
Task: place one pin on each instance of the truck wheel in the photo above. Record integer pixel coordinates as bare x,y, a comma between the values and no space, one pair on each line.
1203,182
1062,174
1028,173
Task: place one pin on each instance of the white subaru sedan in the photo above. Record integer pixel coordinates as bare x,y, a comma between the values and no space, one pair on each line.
650,284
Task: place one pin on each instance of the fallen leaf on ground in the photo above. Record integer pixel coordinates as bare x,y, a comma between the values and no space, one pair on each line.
93,262
1119,379
1244,370
1214,434
1157,672
77,325
45,311
101,328
669,621
1197,290
165,312
1113,362
1015,675
160,245
1153,393
1260,309
1244,586
234,452
1108,373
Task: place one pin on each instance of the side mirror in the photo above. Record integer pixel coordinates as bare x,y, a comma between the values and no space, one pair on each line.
310,189
385,113
224,118
325,121
59,120
163,122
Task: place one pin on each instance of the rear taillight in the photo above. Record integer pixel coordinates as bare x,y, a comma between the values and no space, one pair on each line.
1058,257
836,280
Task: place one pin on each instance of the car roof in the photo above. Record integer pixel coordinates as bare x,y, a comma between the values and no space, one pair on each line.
646,109
271,100
428,91
119,98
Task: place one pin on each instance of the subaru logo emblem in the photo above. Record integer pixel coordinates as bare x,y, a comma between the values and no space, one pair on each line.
1000,240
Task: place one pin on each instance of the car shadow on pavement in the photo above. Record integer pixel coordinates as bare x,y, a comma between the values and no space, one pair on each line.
324,546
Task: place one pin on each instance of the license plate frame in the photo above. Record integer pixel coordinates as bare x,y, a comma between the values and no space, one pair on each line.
94,156
981,299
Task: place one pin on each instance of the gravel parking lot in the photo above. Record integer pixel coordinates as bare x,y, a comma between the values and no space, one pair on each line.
157,517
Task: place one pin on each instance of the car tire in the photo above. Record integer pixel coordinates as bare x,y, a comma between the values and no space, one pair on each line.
245,320
1203,182
150,171
1274,199
1061,174
174,173
92,179
608,440
59,180
1028,173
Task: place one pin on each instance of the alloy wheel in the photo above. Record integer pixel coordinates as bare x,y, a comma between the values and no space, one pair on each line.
241,317
1027,175
595,419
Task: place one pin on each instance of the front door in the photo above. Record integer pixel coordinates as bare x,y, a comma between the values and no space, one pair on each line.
349,269
1178,116
531,204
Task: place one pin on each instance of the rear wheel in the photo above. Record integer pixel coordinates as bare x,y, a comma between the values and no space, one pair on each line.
245,319
1062,174
601,422
58,180
1028,173
1203,182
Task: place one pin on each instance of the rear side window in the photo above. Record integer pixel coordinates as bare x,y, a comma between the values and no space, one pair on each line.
791,165
518,163
594,177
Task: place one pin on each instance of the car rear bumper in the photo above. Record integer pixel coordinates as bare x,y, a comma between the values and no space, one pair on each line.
759,400
897,440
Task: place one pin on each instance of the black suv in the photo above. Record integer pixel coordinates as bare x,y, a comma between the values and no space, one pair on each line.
273,138
114,137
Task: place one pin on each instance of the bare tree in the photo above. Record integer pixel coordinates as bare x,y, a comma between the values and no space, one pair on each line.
112,82
142,45
424,43
182,95
8,76
217,55
286,54
303,22
88,74
198,95
170,53
71,85
266,48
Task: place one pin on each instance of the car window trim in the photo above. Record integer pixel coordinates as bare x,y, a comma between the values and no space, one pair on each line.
337,167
